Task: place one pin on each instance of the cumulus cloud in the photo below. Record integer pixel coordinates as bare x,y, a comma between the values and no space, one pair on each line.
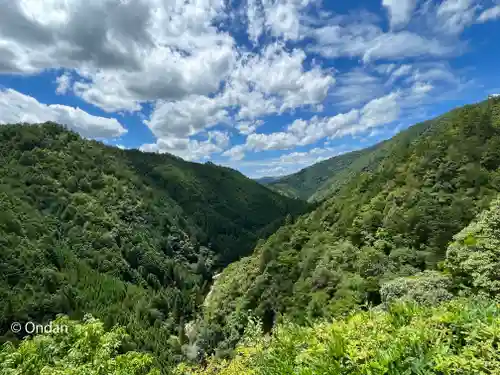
125,51
277,72
186,117
400,11
263,84
188,61
249,127
190,149
19,108
279,18
235,153
255,19
377,112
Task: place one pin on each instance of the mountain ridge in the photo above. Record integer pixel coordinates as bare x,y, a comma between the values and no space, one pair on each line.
395,220
133,238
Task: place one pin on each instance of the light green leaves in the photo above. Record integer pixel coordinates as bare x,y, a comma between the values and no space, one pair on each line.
86,349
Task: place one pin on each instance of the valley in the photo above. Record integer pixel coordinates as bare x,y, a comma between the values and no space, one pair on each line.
191,268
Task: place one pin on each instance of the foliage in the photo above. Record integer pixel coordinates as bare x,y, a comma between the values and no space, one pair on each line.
135,238
79,348
474,257
132,238
395,221
457,337
429,287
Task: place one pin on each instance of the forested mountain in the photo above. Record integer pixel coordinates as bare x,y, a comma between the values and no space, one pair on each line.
311,180
402,252
429,323
395,220
267,180
324,179
132,238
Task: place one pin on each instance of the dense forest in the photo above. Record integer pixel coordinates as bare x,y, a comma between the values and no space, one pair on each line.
393,270
428,323
393,221
129,237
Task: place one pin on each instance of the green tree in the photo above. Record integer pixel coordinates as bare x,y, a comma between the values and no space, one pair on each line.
74,348
474,256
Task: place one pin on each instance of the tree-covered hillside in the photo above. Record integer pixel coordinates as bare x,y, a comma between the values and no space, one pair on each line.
305,183
132,238
324,179
393,221
428,323
402,254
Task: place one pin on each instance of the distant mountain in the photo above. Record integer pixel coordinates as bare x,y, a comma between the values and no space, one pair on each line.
309,181
323,179
130,237
267,180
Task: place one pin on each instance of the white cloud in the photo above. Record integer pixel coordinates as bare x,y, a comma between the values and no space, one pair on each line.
169,75
255,19
173,51
190,149
272,82
401,71
405,44
249,127
400,11
377,112
281,74
280,18
370,43
127,51
64,83
273,141
235,153
356,88
453,16
287,163
186,117
380,111
490,14
438,73
422,89
271,172
19,108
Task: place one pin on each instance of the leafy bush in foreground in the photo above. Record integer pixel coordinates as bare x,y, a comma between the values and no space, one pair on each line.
457,337
84,349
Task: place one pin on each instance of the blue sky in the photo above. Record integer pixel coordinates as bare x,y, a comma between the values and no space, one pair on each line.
267,87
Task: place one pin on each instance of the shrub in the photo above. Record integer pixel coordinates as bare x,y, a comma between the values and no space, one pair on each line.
474,257
456,337
84,348
429,287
